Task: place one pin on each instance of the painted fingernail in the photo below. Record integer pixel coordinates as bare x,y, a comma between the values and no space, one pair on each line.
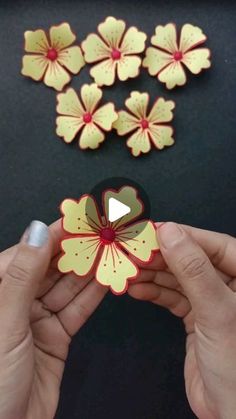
37,234
170,234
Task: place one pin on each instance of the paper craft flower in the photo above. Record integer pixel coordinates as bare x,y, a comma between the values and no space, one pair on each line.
53,58
115,51
149,128
168,59
111,250
77,115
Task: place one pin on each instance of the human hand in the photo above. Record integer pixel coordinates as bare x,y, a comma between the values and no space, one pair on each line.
195,278
40,310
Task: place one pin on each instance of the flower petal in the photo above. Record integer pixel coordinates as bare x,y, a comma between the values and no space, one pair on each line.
105,116
140,240
139,142
137,103
34,66
81,217
197,60
114,269
165,37
68,127
133,41
80,255
190,37
161,136
69,104
173,75
125,123
128,67
161,111
95,49
156,60
56,76
72,59
91,137
111,31
36,41
104,72
61,36
91,96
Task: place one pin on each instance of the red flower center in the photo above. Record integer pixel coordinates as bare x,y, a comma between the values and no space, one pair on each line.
107,235
144,124
115,54
52,54
87,117
178,55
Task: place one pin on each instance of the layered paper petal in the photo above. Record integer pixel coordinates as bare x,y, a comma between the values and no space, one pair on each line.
139,142
34,66
156,60
68,127
56,76
95,49
61,36
105,116
91,96
69,104
81,217
36,41
161,111
165,37
173,75
161,136
91,137
125,123
111,31
72,59
104,72
197,59
137,103
133,41
128,67
191,36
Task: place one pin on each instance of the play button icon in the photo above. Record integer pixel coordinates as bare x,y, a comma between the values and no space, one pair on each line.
117,210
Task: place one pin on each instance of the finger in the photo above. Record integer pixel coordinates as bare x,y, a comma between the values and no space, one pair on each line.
157,263
162,278
193,270
77,312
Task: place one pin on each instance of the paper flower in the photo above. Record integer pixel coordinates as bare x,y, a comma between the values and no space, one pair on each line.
168,59
109,250
77,115
149,128
115,51
52,59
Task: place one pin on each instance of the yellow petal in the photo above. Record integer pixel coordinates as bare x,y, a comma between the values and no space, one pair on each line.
161,111
68,127
104,72
91,137
79,255
95,49
133,41
139,142
114,269
173,75
165,37
69,104
72,59
105,116
137,103
56,76
36,41
61,36
34,66
125,123
140,240
127,195
111,31
191,36
128,67
197,60
81,217
156,60
91,96
161,136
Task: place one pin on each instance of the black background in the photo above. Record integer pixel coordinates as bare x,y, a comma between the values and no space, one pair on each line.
127,361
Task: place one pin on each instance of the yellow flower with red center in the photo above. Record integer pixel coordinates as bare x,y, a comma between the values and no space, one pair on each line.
149,128
168,57
114,50
84,114
52,59
109,250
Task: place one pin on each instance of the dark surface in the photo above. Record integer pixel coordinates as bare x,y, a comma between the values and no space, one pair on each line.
128,360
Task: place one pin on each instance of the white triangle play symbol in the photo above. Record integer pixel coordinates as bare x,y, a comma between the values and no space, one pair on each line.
116,209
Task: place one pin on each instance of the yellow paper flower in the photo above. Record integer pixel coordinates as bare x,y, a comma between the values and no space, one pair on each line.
93,244
77,115
52,59
168,59
115,51
149,128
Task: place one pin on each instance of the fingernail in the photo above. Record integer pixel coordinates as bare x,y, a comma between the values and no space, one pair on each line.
37,234
170,234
